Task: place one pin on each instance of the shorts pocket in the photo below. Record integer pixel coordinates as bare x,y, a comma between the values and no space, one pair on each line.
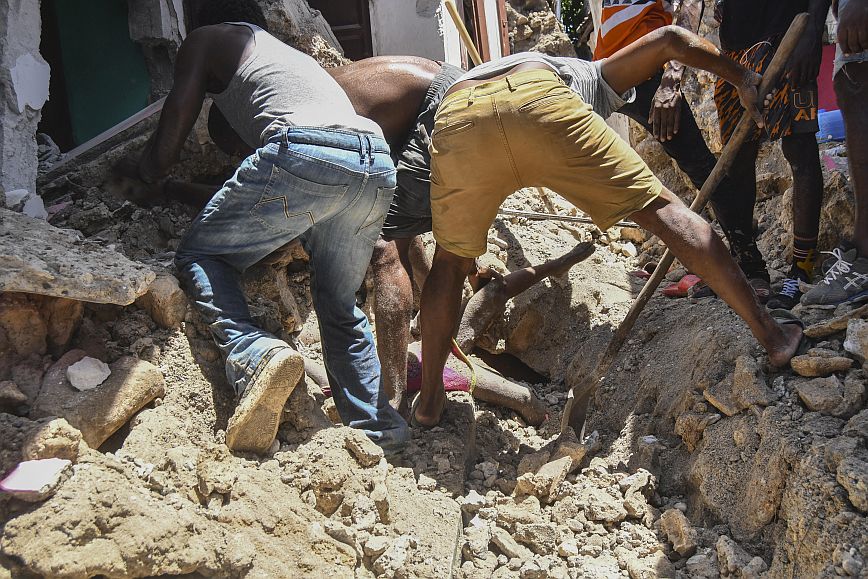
373,223
554,95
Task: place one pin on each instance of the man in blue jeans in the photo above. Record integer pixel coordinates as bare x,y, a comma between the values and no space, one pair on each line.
320,173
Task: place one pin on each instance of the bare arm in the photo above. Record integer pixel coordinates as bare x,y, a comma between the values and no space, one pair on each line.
853,27
805,62
181,109
639,61
665,113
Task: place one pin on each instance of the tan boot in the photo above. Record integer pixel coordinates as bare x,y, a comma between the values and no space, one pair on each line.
253,426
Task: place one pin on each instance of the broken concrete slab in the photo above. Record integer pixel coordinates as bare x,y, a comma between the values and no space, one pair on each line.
679,531
40,259
99,412
836,324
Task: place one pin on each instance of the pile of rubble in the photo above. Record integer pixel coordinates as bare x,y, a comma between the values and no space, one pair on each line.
701,461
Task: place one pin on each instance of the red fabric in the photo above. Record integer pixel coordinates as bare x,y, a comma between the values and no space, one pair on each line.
827,98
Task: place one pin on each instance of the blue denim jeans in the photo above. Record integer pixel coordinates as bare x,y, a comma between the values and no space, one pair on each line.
332,190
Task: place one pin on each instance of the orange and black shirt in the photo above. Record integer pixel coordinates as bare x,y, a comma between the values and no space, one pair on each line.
625,21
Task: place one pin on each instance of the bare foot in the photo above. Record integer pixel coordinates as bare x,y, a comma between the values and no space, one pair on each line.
427,413
780,356
579,253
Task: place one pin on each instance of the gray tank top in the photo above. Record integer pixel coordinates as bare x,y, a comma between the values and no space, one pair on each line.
277,87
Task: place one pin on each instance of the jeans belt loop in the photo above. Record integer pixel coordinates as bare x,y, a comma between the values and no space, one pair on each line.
370,150
470,96
509,84
286,138
361,150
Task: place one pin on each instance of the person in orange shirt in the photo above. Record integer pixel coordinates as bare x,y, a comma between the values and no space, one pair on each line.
659,107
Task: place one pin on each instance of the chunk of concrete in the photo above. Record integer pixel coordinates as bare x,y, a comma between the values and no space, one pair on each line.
679,531
165,301
830,396
37,480
814,366
38,258
87,373
54,439
100,412
856,341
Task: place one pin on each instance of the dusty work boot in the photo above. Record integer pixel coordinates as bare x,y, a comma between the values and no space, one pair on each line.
846,281
253,426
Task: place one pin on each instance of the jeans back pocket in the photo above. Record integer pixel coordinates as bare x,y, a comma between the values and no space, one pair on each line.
292,202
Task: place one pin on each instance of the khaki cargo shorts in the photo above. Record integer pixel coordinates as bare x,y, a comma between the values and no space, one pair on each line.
527,129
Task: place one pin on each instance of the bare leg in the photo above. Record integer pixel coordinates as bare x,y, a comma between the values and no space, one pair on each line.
696,245
851,86
441,302
491,300
419,260
393,308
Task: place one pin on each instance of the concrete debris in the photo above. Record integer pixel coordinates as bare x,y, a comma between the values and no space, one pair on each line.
831,396
99,412
733,559
852,474
40,259
818,365
856,342
395,556
55,438
165,301
363,448
87,373
10,396
37,480
542,538
679,531
837,324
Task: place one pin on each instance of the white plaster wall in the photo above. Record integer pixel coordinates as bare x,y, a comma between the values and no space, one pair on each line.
407,27
24,76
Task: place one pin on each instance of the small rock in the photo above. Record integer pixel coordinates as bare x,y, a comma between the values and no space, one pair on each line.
568,445
650,567
852,474
813,366
542,538
836,324
857,339
633,234
629,250
395,556
380,496
476,539
376,546
37,480
165,301
701,566
530,463
679,532
749,383
830,396
508,546
721,397
471,502
10,396
54,439
365,451
87,373
731,557
568,549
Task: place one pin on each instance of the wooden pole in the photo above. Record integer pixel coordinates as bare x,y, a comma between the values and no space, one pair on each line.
580,394
462,31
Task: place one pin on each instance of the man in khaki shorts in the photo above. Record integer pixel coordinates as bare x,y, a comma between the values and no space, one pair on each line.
514,123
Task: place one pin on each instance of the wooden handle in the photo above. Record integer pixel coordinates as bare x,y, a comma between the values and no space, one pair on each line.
574,413
462,31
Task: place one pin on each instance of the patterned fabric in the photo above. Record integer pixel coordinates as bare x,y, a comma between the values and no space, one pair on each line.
792,109
625,21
